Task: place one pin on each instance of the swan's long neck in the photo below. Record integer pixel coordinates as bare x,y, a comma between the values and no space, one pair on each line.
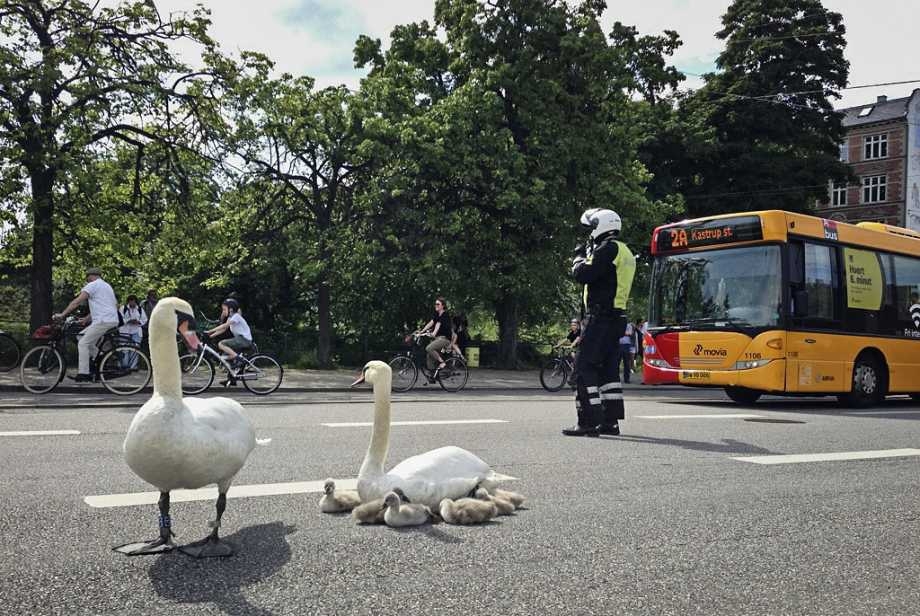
380,439
167,375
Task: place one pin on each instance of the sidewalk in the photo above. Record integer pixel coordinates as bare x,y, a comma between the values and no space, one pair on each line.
483,379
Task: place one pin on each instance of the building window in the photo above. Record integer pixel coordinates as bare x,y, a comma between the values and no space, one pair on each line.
876,146
875,188
838,193
845,152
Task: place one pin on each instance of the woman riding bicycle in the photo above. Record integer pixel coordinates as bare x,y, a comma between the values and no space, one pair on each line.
440,329
234,321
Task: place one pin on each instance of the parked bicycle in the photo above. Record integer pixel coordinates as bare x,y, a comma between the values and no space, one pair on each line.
259,373
120,364
407,365
556,371
10,352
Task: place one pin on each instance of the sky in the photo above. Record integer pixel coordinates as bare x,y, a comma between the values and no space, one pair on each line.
316,37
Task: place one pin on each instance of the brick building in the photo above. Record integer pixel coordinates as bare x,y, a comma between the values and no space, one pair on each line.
882,147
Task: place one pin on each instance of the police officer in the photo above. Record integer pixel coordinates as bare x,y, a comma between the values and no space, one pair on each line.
606,267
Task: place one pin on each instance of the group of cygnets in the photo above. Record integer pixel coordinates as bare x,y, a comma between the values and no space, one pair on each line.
395,509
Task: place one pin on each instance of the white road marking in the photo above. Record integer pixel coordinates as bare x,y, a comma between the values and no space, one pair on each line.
433,422
709,416
830,457
881,412
260,489
41,433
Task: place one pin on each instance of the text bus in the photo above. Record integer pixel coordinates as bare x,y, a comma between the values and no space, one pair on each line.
776,302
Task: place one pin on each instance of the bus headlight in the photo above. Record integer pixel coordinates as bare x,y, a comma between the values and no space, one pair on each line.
657,363
754,363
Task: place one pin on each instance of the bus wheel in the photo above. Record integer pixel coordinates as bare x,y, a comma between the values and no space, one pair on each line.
743,395
867,384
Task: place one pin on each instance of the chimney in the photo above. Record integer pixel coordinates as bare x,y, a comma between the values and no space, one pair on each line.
882,99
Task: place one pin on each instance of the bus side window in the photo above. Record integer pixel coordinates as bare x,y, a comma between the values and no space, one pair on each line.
820,284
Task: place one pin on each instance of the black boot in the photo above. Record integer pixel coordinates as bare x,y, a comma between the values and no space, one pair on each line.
609,429
578,430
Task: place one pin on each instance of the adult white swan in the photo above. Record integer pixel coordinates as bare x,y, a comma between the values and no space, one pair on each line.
184,443
428,478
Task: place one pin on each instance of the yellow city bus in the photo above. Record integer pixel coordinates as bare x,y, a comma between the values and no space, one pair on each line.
782,303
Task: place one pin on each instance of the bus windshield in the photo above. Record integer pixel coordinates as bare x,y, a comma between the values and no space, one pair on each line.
717,289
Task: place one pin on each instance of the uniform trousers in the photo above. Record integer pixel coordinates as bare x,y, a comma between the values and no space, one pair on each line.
598,391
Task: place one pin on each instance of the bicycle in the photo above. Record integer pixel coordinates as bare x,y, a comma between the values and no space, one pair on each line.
555,372
406,366
120,364
260,373
10,352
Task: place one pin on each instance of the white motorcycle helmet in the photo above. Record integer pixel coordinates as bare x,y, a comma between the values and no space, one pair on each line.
601,221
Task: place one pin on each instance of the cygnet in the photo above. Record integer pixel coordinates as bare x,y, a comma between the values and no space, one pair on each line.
514,498
336,502
467,511
399,514
504,507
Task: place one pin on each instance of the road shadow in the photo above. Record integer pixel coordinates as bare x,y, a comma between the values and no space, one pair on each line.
261,552
727,445
900,408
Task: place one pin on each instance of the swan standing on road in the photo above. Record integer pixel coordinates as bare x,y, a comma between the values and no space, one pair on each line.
426,479
186,443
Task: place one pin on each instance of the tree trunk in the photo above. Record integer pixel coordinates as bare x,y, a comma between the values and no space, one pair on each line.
42,247
506,313
324,347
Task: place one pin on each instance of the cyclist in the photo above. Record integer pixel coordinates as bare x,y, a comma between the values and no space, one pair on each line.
573,339
234,321
440,328
103,316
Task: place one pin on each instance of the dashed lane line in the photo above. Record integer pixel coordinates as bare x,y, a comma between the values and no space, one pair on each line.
433,422
829,457
41,433
260,489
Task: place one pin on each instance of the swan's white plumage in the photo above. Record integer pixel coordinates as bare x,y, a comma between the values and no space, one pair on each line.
427,478
176,442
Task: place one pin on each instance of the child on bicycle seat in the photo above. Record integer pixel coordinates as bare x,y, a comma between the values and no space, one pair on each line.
234,321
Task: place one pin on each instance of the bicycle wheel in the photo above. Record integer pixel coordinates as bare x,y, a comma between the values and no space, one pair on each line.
553,375
261,374
454,375
405,373
197,375
9,352
41,369
125,370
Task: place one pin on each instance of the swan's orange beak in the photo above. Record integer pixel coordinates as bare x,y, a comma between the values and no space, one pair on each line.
358,380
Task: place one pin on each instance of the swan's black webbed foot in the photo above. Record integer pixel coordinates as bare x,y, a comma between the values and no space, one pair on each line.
163,544
209,547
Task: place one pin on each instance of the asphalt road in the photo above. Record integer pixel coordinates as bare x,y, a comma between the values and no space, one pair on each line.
661,520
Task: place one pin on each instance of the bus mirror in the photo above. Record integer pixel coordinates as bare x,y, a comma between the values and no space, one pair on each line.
800,303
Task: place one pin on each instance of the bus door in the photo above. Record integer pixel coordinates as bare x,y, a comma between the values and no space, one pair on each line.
815,362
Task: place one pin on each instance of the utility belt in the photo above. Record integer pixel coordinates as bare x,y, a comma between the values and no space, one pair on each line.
603,312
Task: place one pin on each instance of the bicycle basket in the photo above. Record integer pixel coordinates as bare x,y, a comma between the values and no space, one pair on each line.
46,332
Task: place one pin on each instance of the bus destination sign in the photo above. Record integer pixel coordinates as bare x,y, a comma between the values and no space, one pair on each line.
683,236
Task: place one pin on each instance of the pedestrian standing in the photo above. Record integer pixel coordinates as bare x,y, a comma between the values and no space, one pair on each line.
606,267
133,319
641,328
148,305
627,349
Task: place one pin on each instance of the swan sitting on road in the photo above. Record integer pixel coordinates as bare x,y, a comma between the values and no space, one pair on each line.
186,443
337,502
427,478
399,514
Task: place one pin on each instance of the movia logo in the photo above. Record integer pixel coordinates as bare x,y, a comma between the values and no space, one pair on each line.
700,350
915,315
830,229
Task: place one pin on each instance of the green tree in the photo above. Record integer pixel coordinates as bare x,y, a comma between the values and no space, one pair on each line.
775,135
74,78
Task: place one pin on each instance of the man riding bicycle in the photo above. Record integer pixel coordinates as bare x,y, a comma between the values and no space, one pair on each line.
103,316
234,321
